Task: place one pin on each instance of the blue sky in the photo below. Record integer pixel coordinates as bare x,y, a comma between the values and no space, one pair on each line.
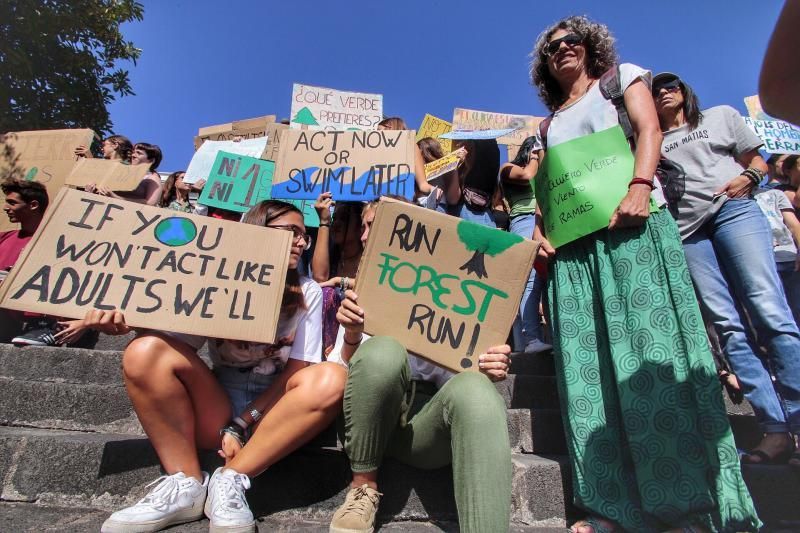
208,62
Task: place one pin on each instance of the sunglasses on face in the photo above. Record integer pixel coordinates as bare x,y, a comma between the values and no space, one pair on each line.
670,87
570,40
298,233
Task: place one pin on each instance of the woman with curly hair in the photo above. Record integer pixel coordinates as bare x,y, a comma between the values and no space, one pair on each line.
647,432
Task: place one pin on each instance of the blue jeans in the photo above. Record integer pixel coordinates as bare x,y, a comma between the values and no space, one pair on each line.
242,385
732,265
464,212
791,287
526,326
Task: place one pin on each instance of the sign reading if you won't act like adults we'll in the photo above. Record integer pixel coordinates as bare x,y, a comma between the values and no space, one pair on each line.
181,273
446,289
352,165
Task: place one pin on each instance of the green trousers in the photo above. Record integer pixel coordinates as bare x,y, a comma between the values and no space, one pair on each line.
463,423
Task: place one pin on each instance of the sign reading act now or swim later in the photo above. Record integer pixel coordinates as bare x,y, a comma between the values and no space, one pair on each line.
353,165
181,273
447,289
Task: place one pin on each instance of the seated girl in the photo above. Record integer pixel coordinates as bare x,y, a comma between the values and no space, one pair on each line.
256,405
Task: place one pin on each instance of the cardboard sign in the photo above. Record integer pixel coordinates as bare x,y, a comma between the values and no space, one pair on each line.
237,182
164,270
523,126
581,182
321,108
46,156
779,137
436,169
433,127
250,128
202,163
446,289
353,165
466,135
113,175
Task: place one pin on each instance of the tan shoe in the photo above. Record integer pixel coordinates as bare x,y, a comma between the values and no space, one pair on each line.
357,513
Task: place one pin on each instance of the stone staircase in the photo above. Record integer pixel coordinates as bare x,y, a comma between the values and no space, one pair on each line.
72,450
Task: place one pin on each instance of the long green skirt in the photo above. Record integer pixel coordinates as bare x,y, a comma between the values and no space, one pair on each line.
646,426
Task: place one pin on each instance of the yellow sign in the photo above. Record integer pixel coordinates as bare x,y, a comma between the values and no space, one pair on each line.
433,127
435,169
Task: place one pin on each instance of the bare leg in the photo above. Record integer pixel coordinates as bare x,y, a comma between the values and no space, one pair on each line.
168,385
312,400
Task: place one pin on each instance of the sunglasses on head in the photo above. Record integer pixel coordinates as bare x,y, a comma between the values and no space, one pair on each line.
670,87
569,39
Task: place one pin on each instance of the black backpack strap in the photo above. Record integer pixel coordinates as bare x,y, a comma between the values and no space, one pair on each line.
544,125
611,89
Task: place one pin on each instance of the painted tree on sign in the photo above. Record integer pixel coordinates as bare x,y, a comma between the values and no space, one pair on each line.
306,117
483,240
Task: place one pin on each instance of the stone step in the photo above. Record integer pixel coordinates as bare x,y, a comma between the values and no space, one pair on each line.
107,409
537,364
108,471
24,517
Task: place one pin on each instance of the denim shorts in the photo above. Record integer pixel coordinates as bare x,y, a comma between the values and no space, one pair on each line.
242,385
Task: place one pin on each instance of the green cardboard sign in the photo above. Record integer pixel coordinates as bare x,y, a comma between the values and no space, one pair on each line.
237,182
310,216
581,182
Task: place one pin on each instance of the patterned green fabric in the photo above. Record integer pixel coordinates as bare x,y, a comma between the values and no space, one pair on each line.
647,431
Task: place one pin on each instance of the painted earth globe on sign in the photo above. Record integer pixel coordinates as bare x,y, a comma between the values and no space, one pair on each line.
175,231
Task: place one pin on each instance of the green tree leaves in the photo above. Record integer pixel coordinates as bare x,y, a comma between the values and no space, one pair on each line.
59,62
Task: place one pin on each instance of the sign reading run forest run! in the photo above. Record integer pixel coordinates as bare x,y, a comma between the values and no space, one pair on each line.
446,289
352,165
181,273
581,182
237,182
329,109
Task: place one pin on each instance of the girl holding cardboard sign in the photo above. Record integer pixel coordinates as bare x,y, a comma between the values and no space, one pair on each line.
257,404
647,432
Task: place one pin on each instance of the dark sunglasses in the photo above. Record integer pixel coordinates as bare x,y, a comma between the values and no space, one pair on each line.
297,232
570,40
670,87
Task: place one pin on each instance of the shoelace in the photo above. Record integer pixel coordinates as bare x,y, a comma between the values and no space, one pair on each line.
165,492
361,499
230,490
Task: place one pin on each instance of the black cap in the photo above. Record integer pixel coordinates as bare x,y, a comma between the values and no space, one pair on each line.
665,77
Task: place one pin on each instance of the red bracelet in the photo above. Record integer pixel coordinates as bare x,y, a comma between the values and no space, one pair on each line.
642,181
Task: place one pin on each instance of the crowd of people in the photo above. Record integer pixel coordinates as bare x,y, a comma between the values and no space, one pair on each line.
701,251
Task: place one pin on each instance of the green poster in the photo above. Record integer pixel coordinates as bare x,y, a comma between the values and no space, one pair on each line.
237,182
581,183
310,216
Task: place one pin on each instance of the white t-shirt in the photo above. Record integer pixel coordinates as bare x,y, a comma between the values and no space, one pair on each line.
593,113
299,337
421,369
773,202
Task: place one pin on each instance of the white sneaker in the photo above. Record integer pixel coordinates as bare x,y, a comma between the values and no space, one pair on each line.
175,499
226,506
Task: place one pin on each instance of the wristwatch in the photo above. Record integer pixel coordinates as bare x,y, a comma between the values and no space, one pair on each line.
255,414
